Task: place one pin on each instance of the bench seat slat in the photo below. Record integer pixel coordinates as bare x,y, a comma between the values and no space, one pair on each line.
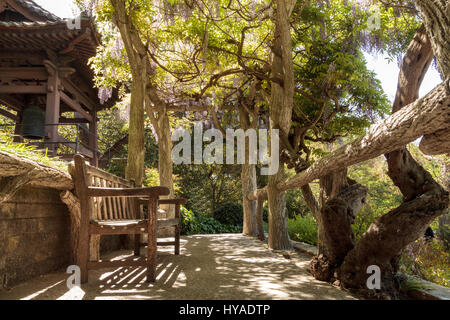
118,227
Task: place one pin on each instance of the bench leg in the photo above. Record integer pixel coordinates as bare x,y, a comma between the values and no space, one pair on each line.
177,240
137,244
82,258
151,247
177,230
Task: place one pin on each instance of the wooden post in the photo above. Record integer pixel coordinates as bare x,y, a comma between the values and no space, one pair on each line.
177,229
139,214
85,203
93,142
52,110
152,241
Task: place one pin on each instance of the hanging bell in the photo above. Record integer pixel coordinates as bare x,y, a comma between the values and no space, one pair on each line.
33,123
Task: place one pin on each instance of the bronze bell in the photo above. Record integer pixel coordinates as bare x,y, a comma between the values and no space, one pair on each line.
33,123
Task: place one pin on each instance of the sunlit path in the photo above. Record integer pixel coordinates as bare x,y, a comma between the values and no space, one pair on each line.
225,266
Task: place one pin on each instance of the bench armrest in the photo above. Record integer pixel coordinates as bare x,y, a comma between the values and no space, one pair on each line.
164,201
172,201
151,192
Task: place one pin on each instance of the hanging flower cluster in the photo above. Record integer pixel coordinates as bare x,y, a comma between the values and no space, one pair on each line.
104,94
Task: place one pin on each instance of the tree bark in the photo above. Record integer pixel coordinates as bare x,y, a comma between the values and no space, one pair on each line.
138,60
136,132
281,102
387,237
259,195
423,198
259,218
339,203
436,143
248,182
310,199
424,116
165,163
436,17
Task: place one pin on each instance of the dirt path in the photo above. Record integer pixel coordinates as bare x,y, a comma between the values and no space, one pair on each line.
225,266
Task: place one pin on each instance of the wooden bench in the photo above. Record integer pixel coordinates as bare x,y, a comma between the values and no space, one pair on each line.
111,205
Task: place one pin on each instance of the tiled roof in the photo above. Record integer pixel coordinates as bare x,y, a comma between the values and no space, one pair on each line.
38,10
25,24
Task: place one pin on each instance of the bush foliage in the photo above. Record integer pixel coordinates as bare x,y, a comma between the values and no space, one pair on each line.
229,213
192,223
303,229
427,259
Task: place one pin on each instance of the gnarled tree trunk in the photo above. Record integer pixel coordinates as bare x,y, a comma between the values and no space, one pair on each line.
340,201
436,16
280,118
423,198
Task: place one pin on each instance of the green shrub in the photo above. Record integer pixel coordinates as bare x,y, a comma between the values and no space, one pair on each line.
427,259
443,231
295,204
303,229
229,213
192,223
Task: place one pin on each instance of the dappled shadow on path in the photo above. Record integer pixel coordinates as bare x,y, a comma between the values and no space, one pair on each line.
225,266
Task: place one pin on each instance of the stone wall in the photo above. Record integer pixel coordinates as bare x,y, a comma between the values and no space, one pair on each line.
35,235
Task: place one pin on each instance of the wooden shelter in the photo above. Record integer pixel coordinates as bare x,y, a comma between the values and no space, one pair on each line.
43,63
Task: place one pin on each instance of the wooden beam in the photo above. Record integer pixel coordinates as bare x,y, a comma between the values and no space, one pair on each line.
75,106
26,73
80,38
23,89
93,141
33,56
72,120
79,95
53,103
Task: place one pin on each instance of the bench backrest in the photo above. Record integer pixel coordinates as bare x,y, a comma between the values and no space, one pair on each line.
104,208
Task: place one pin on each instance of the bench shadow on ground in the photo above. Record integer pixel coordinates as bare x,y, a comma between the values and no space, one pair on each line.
228,266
